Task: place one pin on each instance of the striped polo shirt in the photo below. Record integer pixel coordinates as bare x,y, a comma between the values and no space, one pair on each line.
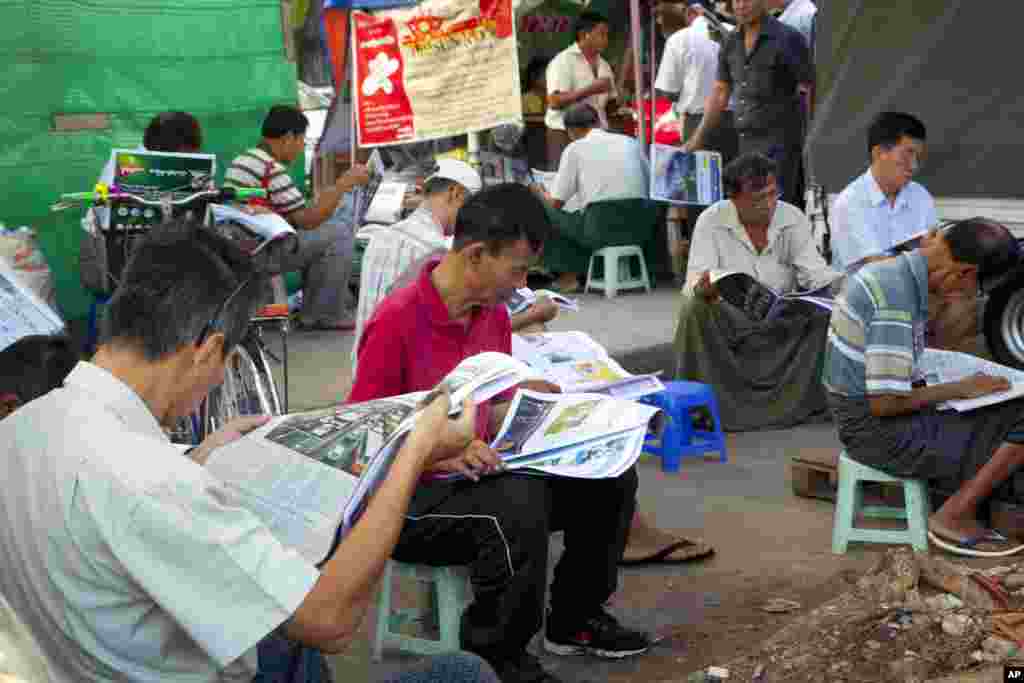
876,334
256,168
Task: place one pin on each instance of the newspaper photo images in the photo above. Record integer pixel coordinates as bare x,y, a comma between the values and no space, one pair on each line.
759,301
309,476
151,174
577,363
680,177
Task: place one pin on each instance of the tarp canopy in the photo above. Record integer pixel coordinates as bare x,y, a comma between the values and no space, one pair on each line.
221,60
949,62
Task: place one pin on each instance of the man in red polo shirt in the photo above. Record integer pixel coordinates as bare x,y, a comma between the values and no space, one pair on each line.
498,525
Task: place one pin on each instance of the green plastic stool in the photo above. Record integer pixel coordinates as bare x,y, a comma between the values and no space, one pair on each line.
849,504
449,593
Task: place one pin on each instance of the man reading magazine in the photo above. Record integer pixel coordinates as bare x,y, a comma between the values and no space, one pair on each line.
498,525
125,558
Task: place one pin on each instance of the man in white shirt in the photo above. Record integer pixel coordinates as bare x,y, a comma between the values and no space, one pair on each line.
799,14
883,207
124,557
597,166
578,74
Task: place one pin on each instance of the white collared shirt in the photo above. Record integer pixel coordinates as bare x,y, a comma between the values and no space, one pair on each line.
799,14
390,252
689,66
864,223
123,557
790,261
569,71
599,167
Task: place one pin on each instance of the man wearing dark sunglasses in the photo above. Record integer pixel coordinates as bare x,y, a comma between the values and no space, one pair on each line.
128,560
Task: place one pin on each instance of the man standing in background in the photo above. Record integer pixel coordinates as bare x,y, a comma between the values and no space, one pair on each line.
578,74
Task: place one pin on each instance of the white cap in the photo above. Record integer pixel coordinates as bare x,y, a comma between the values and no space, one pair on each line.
460,172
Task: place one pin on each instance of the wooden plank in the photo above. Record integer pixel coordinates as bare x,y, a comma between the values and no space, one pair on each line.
66,123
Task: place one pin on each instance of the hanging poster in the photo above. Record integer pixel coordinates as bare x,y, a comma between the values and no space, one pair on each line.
442,68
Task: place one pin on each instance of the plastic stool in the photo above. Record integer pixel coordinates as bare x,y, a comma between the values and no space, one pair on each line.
617,272
679,437
449,592
849,504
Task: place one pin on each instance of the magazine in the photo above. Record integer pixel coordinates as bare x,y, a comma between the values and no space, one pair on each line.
252,231
153,175
575,435
939,367
759,301
680,177
525,297
577,363
309,476
24,313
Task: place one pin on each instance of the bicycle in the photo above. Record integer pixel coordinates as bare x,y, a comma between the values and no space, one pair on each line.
249,387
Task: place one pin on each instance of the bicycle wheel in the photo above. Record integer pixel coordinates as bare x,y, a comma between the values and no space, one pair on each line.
269,385
185,431
244,391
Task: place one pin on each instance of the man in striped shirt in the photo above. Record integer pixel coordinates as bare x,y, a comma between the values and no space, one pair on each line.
324,253
886,415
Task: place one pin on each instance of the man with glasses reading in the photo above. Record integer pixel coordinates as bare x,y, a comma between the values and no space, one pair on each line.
884,206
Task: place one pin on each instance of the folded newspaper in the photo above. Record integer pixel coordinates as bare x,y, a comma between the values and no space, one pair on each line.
525,297
252,231
296,473
759,301
577,363
23,313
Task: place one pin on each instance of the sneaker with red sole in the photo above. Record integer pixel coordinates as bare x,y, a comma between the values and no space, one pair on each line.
601,635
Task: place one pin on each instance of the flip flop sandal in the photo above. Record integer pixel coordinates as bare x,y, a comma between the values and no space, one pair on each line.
682,550
967,547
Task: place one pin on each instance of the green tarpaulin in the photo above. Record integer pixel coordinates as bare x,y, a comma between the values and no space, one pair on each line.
222,60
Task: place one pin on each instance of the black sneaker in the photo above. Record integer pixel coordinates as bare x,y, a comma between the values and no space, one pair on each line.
600,635
524,669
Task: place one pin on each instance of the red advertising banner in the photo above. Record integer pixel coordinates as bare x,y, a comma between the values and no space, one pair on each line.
441,68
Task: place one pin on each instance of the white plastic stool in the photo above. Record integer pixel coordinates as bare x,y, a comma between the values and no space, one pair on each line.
449,595
617,275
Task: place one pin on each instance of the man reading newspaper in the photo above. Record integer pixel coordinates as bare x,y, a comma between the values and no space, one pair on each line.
125,558
498,525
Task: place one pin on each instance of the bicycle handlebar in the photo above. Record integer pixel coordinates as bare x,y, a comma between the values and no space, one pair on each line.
104,195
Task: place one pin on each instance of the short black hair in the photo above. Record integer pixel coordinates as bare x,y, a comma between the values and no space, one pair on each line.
747,167
581,115
535,69
889,127
984,243
501,215
181,279
173,131
437,185
284,119
35,365
586,22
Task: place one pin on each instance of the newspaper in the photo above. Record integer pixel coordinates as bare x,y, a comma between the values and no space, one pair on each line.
940,367
525,297
309,476
680,177
575,435
759,301
23,313
577,363
252,231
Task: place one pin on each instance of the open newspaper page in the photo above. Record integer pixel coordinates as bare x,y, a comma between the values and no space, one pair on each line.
759,301
525,297
22,313
939,367
575,362
298,473
253,231
580,435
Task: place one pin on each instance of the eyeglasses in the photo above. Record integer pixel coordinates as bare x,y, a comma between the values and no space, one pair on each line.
208,327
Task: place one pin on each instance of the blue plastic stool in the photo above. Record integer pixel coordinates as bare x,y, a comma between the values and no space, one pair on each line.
94,313
679,438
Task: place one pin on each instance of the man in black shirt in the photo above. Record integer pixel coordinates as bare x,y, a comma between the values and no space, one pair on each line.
765,65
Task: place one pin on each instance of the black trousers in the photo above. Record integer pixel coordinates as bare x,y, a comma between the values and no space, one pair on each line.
500,526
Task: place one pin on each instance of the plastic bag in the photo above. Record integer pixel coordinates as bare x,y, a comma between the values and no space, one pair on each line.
20,251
